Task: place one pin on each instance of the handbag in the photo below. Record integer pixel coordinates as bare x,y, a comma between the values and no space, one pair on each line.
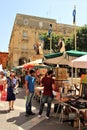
15,90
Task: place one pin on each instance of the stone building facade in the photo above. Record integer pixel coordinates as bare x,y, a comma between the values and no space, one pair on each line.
26,32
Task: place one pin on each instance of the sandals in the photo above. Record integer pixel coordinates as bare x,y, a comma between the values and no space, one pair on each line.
11,109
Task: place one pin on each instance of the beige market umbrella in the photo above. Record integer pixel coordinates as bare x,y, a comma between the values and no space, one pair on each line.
61,60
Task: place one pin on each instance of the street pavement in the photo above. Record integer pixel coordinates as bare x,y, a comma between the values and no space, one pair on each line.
16,120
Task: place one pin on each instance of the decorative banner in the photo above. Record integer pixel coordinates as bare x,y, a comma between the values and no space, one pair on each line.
84,78
61,74
42,71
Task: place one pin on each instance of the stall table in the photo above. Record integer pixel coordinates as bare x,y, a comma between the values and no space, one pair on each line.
78,108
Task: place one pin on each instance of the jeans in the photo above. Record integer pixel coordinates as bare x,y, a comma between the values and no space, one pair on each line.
29,103
48,100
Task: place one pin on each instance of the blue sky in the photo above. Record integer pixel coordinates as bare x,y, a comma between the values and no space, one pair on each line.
61,10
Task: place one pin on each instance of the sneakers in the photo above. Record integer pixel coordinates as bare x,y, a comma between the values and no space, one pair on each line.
47,117
39,116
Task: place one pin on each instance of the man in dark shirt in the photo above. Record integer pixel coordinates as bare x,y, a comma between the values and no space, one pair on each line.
48,84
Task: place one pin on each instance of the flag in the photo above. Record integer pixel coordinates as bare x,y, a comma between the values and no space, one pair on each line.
74,16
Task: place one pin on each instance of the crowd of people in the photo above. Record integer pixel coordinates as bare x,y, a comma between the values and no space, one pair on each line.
9,84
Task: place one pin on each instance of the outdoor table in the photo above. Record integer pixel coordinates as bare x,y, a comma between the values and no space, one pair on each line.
61,105
64,103
78,110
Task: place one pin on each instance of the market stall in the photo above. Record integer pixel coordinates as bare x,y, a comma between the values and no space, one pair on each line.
81,103
80,62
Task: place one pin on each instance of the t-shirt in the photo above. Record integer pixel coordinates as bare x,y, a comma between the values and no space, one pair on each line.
47,83
31,82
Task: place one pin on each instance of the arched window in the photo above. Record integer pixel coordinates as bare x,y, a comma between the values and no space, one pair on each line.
22,61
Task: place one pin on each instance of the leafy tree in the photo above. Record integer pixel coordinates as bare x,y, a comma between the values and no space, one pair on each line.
69,43
82,38
54,37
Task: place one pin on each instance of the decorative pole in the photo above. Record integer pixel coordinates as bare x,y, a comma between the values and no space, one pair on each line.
50,37
74,23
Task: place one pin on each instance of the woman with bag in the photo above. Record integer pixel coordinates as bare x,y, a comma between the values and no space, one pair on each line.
11,81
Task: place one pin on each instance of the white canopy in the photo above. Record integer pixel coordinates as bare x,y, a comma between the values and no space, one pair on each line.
80,62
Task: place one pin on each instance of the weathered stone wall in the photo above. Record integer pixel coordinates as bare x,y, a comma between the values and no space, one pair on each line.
25,34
